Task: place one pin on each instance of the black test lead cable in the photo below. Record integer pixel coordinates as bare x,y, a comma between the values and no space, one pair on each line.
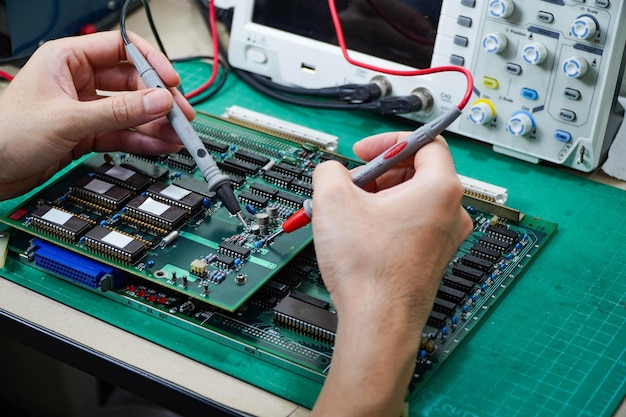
217,182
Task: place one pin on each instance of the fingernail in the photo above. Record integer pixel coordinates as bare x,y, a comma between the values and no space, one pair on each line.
157,102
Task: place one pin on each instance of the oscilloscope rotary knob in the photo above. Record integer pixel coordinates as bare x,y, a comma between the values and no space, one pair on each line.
575,67
494,43
521,123
584,27
482,112
535,53
501,8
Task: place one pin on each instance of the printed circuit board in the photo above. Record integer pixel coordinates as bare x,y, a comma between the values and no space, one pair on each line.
146,232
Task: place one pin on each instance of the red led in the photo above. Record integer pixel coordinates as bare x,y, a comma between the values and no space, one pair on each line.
141,293
18,214
152,298
131,288
162,300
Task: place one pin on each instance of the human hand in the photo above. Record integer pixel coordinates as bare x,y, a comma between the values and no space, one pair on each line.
382,252
54,112
389,244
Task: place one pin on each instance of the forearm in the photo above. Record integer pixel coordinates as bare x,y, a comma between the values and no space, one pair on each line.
373,360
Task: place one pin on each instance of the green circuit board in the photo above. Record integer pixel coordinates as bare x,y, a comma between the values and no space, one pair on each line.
145,232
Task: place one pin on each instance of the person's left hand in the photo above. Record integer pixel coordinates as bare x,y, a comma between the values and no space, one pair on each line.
54,110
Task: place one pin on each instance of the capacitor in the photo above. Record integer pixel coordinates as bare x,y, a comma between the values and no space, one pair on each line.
272,212
149,263
255,229
184,282
251,209
470,210
170,237
237,262
290,159
423,354
262,219
454,320
103,223
206,202
444,331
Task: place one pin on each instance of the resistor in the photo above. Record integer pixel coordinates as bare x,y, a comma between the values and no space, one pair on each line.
171,237
269,165
210,258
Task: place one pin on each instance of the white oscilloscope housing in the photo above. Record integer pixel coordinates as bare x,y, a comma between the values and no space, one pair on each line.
546,72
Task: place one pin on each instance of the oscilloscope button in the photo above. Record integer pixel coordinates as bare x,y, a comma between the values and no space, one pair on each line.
572,94
464,21
512,68
468,3
545,17
567,115
529,94
602,3
563,136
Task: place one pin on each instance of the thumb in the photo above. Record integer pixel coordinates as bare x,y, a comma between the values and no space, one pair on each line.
330,179
123,111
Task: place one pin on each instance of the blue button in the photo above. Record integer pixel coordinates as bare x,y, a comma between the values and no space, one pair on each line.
563,136
530,94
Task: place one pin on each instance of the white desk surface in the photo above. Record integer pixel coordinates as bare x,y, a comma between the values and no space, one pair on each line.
183,33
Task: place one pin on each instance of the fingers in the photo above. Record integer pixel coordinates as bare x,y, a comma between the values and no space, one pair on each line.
372,146
118,112
132,142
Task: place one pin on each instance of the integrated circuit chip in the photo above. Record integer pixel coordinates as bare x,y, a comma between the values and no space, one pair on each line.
115,245
100,194
306,318
180,197
125,177
59,223
234,250
146,211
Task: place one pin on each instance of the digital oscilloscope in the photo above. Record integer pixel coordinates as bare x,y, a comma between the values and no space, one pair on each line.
547,72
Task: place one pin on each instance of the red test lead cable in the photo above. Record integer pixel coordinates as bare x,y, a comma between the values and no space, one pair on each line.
398,152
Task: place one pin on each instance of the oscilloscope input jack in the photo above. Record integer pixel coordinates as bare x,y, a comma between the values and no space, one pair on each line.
428,102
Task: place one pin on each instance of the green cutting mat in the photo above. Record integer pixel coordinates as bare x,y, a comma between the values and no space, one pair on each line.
556,344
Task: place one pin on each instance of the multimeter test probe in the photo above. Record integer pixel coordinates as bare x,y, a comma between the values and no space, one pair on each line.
217,181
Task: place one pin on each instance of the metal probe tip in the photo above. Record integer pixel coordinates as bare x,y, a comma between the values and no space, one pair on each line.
242,220
273,236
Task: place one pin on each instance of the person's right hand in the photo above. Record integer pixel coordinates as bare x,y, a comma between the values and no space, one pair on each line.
382,252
